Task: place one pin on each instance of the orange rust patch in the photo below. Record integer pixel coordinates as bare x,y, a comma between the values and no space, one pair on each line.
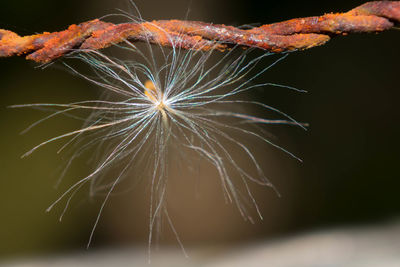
295,34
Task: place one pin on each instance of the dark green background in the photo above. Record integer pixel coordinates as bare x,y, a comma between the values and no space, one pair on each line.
351,151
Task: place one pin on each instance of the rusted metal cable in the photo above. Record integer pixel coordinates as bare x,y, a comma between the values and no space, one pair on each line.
295,34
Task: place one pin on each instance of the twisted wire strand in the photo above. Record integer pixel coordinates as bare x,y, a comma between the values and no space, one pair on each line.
291,35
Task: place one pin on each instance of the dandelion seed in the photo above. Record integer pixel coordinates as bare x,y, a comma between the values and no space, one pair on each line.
163,103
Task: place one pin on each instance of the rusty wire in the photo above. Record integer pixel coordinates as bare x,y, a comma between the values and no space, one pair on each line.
295,34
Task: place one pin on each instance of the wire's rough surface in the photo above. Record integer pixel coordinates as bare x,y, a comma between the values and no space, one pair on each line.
295,34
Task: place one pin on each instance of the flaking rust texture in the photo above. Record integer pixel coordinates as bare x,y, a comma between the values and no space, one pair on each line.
295,34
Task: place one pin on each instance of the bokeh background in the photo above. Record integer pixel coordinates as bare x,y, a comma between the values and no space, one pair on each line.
351,152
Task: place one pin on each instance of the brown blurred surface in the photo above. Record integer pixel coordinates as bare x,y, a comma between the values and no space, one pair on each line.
371,246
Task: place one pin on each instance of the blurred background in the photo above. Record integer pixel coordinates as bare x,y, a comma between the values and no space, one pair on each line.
349,176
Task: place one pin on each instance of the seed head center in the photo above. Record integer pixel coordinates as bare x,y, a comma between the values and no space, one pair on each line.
160,105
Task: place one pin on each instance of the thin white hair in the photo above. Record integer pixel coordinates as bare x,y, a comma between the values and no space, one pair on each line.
196,107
